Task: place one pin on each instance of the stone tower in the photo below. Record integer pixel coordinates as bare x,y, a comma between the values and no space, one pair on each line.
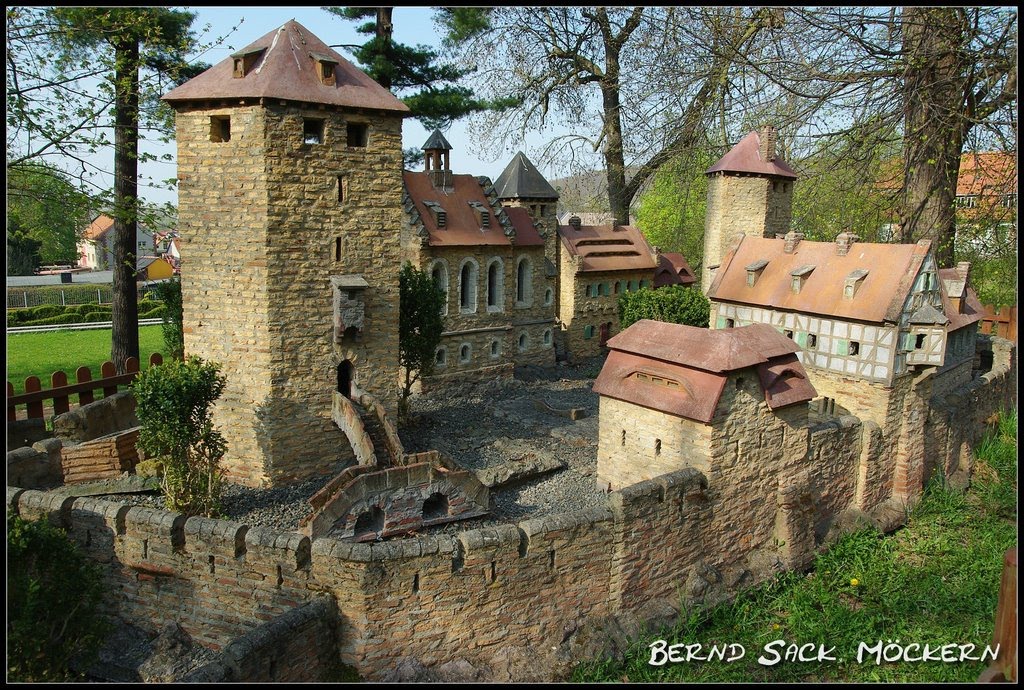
290,202
520,184
750,191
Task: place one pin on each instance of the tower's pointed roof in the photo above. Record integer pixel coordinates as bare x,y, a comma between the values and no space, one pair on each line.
285,67
437,141
747,157
521,180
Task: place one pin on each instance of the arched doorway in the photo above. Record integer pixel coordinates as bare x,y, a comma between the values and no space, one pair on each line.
345,378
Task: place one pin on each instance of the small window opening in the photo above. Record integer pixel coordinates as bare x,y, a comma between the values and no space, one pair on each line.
919,341
369,523
657,446
623,437
464,354
312,131
337,249
494,348
812,341
436,507
342,191
854,348
730,323
358,134
547,337
522,342
548,295
440,357
220,128
415,583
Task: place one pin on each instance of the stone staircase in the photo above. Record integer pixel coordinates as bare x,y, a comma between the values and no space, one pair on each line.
377,435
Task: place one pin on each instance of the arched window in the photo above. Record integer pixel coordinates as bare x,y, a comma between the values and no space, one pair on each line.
495,348
522,342
436,507
547,336
369,523
345,378
549,295
465,353
439,272
441,357
495,285
524,288
467,287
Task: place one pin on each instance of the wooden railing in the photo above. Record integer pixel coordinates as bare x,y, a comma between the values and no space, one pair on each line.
60,390
1001,322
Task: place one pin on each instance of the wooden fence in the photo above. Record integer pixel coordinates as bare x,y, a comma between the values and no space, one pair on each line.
60,390
1001,322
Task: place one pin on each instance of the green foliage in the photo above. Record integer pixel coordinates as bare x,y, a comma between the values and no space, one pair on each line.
935,581
49,209
22,250
671,211
420,324
53,603
428,84
53,314
169,293
672,304
173,403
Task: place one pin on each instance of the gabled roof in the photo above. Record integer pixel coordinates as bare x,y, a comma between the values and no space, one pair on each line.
521,180
608,247
673,269
955,286
100,226
526,231
683,369
745,157
286,69
461,227
891,269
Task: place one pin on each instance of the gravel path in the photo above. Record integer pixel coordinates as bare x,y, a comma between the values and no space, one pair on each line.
478,427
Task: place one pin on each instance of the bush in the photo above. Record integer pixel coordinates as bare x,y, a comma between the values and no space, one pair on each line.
673,304
169,293
173,402
53,603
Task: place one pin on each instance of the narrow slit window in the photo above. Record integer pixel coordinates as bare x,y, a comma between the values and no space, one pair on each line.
337,249
342,189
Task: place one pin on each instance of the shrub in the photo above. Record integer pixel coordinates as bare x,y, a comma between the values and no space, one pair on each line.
173,406
44,311
53,603
673,304
169,293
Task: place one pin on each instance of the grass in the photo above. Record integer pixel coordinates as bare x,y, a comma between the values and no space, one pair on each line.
935,581
41,354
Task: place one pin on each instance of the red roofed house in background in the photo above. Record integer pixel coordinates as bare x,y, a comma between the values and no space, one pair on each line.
671,393
96,248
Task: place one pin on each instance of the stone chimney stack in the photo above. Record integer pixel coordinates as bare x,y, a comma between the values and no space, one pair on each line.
792,241
574,221
844,241
963,270
768,141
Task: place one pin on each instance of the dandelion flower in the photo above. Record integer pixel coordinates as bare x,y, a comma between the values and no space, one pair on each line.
854,582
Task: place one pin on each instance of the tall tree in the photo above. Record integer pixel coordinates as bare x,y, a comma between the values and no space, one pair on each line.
128,41
417,75
639,85
936,80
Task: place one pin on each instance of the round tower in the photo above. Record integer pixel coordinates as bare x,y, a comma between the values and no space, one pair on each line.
750,191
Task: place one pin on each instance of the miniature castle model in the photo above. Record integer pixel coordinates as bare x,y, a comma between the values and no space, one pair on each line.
836,379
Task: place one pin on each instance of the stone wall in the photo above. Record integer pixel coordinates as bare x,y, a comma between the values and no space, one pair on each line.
754,205
515,599
265,227
577,311
100,418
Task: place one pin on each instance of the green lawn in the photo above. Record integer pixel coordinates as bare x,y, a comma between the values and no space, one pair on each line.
934,582
41,354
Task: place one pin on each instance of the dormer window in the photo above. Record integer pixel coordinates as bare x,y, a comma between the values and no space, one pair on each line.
853,283
324,68
439,214
754,271
244,61
799,277
482,213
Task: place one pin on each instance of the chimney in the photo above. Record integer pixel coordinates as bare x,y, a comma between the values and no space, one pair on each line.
843,243
574,221
792,240
963,269
767,148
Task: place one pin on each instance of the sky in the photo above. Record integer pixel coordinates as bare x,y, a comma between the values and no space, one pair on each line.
412,25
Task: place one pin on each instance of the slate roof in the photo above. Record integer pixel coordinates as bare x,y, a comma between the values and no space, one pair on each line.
891,269
521,180
745,157
698,362
286,69
954,285
608,248
526,231
437,141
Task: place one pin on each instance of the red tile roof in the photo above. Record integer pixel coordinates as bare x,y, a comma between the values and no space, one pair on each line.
526,231
287,70
98,227
673,269
745,157
986,173
462,229
693,365
891,269
970,310
608,248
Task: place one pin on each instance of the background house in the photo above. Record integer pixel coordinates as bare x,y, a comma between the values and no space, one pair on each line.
96,248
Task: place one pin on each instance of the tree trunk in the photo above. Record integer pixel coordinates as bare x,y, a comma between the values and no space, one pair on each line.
613,154
125,308
933,140
385,32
